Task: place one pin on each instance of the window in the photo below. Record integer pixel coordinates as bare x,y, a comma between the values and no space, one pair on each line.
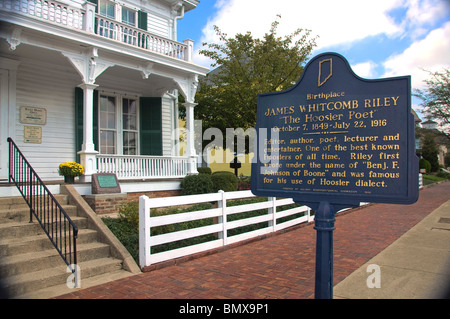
130,132
118,116
128,16
108,131
106,8
106,28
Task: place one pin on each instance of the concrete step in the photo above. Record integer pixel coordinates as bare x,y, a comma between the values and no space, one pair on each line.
29,284
14,229
40,260
22,214
7,203
22,245
30,264
62,289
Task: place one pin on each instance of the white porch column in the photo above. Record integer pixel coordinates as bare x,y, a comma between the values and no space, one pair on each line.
190,147
89,66
88,153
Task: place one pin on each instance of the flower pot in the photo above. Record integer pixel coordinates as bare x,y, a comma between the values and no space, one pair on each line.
69,179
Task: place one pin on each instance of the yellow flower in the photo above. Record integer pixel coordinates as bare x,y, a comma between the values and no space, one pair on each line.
71,169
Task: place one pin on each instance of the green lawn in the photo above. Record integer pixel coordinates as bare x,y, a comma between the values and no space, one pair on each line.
430,179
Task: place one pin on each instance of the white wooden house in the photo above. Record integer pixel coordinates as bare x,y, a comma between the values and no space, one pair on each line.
96,82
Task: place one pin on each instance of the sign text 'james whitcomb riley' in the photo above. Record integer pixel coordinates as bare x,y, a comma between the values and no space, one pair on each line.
338,138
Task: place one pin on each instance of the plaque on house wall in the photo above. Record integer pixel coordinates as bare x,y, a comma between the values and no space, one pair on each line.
32,134
33,115
105,183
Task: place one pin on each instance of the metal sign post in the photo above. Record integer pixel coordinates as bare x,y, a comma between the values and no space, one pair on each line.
324,225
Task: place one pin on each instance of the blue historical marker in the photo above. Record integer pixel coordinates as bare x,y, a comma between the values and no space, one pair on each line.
332,141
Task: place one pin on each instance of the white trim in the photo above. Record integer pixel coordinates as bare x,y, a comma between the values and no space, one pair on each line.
7,108
4,127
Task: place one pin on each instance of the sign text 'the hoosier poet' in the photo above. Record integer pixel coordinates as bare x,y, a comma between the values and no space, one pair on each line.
337,137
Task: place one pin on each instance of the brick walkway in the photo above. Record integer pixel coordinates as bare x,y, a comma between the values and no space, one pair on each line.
281,266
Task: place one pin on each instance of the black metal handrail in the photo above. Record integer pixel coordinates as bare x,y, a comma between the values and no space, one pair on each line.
55,222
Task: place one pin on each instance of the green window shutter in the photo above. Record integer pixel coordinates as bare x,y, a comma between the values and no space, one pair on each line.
142,20
150,126
79,121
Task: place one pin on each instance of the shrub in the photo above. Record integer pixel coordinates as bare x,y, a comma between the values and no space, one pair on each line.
129,212
204,170
226,181
447,160
197,184
126,233
424,164
443,174
244,183
223,173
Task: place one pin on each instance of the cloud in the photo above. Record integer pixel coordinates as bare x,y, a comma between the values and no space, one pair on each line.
334,21
341,24
431,53
365,69
426,12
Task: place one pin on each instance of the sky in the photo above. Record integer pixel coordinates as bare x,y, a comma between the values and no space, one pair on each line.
379,38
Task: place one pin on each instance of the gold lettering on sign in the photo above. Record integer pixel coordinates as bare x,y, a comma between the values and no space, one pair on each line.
340,145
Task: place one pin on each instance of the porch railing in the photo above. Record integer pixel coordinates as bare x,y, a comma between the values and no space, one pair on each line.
52,11
122,32
138,167
55,222
78,18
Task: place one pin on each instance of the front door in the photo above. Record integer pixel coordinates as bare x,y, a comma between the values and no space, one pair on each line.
4,116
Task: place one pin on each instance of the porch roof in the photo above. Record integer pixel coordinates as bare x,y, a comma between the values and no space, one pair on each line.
22,26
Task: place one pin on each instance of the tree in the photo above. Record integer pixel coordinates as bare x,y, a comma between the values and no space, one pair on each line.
447,160
246,67
430,151
436,99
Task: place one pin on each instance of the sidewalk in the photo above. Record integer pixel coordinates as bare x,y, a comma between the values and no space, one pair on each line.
409,243
417,265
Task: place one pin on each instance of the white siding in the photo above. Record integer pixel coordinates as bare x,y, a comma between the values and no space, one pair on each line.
158,25
46,86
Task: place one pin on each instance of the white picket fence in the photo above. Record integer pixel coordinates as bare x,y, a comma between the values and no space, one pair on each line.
221,228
